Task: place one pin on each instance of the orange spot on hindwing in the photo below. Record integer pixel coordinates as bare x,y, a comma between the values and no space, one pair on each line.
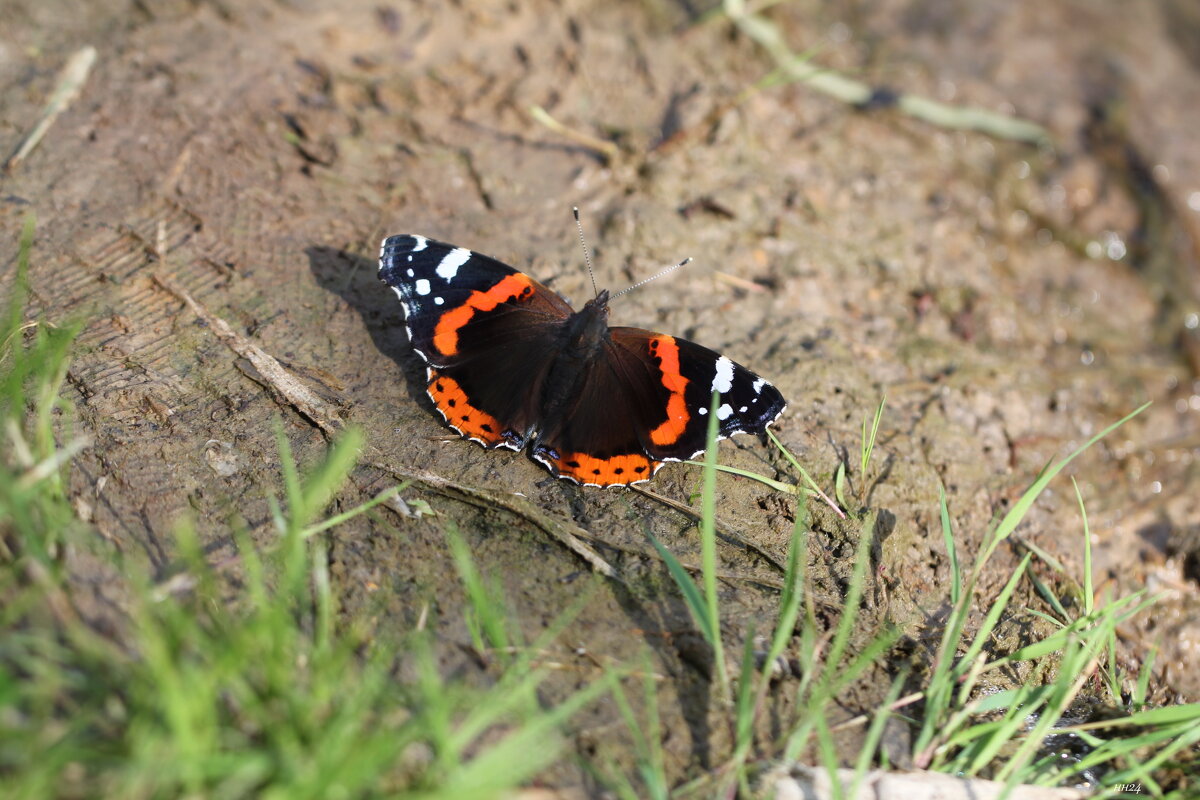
459,414
664,349
445,335
611,471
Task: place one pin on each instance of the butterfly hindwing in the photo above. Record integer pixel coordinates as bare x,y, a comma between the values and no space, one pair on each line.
647,401
598,440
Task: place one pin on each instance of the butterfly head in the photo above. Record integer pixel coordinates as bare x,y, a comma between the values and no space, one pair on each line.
599,303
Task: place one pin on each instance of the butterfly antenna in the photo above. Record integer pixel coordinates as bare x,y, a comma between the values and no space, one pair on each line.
653,277
587,259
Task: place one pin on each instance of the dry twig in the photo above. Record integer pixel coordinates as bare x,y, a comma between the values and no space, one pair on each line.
326,417
70,81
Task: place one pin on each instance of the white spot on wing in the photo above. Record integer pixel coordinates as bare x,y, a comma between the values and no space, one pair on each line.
703,411
758,384
422,286
453,260
421,243
723,380
724,412
437,301
410,272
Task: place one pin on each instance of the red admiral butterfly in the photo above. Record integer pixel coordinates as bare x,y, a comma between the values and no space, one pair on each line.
511,364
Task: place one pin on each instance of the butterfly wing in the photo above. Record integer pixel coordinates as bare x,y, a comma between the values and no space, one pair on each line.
597,441
646,401
486,331
746,402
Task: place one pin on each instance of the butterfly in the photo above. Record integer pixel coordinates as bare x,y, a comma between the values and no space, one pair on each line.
509,363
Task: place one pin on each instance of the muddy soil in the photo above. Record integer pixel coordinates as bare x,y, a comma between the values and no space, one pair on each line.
1010,300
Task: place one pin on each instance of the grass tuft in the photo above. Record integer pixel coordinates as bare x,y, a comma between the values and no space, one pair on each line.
1002,733
244,682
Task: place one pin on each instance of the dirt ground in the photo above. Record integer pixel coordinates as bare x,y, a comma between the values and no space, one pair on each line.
1010,300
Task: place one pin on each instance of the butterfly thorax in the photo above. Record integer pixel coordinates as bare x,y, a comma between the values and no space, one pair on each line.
586,331
583,338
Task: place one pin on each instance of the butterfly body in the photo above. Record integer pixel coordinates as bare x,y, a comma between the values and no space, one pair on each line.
511,364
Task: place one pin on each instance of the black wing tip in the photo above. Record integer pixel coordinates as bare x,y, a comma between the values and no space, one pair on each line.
753,427
394,246
399,243
399,238
391,244
777,408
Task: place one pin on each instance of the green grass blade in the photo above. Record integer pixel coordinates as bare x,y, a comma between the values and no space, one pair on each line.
778,486
692,596
1089,591
488,609
829,756
868,440
338,519
1017,513
812,485
523,753
993,615
646,737
708,549
744,701
951,549
16,301
839,484
854,593
793,584
291,475
874,735
322,483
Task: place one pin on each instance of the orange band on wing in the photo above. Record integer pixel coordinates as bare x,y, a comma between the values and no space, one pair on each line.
612,471
666,351
445,335
458,412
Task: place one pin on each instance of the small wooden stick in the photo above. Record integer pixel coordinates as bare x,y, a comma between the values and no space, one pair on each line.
70,81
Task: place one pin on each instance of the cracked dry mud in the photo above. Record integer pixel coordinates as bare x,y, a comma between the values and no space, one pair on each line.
1011,301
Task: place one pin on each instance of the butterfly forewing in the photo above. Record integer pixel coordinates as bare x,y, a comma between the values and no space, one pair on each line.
690,373
446,290
485,329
